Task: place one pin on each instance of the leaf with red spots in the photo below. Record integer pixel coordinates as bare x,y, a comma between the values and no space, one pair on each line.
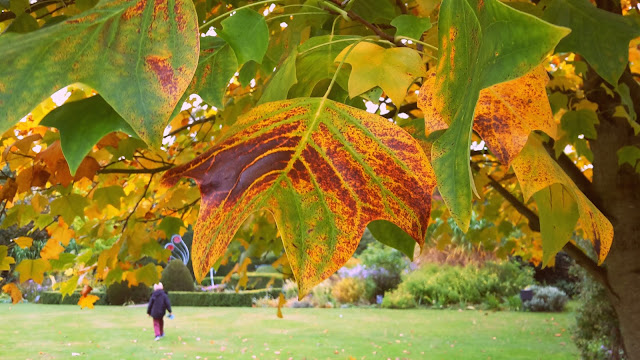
537,172
505,114
323,169
139,55
482,43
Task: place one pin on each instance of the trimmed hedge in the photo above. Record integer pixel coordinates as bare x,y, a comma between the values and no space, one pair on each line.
239,299
256,280
55,298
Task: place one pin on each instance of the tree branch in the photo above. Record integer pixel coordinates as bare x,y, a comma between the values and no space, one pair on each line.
195,122
375,29
402,6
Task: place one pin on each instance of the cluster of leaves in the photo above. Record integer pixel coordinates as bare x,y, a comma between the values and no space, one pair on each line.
275,122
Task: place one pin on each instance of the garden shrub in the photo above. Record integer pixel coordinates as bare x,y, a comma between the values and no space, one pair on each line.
257,280
445,285
596,332
290,289
177,277
120,293
55,298
546,298
235,299
399,299
321,294
349,290
383,265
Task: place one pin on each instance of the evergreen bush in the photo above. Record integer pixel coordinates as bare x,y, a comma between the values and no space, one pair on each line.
177,277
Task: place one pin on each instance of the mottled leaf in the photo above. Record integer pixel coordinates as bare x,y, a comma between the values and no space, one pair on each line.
393,70
23,242
559,214
602,37
283,79
247,33
5,261
410,26
481,43
82,124
13,291
87,301
536,170
505,115
139,55
324,170
32,269
69,206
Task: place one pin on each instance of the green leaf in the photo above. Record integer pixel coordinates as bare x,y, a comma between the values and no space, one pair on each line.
109,195
68,287
323,169
315,61
284,78
247,33
481,43
247,73
148,274
84,5
559,214
600,36
69,206
20,214
23,23
410,26
82,124
5,261
580,122
140,57
558,101
628,155
63,262
625,96
18,6
215,68
170,225
390,234
374,11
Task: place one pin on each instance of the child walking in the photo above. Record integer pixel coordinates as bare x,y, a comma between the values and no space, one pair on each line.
158,303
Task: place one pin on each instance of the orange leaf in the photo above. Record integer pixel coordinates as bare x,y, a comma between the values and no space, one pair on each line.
8,190
51,249
56,164
323,169
13,291
87,301
61,232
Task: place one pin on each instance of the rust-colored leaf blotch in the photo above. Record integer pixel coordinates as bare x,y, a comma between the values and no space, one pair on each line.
323,169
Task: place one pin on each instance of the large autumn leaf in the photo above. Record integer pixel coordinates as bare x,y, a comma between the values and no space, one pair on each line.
139,55
505,115
481,43
536,172
323,169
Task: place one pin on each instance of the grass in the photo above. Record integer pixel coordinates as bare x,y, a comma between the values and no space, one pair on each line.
56,331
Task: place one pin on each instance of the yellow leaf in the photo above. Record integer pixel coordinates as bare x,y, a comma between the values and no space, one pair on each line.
68,287
107,260
61,232
13,291
23,242
5,261
281,302
87,301
33,269
39,202
51,249
536,170
131,278
393,70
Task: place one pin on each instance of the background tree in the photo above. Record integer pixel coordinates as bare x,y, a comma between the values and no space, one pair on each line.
276,121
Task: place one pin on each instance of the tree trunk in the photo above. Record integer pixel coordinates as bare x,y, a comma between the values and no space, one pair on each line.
618,190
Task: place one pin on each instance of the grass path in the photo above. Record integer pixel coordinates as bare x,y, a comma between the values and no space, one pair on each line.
56,331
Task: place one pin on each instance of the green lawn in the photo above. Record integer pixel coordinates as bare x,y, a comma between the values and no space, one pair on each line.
57,331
